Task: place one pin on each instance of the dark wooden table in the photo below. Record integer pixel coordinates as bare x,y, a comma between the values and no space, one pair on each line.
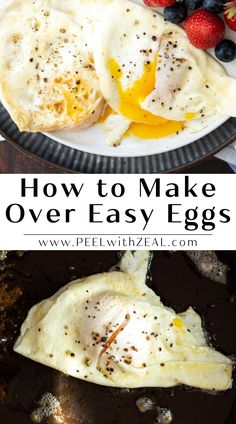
14,161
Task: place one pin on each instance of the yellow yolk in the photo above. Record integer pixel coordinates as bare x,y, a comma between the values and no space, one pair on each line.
178,323
131,97
108,111
155,131
189,116
76,93
72,107
145,125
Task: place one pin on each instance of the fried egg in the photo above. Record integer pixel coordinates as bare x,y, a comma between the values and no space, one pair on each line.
48,80
150,74
111,329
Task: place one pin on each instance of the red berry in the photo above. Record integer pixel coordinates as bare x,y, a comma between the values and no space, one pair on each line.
159,3
230,14
205,29
149,3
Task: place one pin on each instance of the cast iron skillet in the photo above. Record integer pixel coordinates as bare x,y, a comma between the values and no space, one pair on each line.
23,382
67,159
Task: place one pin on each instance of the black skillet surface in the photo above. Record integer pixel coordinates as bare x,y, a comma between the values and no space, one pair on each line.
40,274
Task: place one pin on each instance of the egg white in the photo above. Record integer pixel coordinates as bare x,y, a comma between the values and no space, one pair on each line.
111,329
47,79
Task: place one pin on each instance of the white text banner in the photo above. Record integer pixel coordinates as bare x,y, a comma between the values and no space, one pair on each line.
157,212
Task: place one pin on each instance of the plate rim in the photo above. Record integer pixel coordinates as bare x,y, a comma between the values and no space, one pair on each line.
64,169
203,132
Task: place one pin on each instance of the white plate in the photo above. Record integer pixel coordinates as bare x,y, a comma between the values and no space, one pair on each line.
91,140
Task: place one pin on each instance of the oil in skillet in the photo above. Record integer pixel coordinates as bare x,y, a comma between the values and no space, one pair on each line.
173,276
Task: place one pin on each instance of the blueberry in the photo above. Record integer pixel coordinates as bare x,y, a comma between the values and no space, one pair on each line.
175,14
226,51
216,6
193,4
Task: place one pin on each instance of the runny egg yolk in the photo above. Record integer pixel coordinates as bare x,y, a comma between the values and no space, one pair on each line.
131,97
155,131
145,125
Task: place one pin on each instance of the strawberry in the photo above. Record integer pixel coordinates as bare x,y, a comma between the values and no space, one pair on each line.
230,14
159,3
205,29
